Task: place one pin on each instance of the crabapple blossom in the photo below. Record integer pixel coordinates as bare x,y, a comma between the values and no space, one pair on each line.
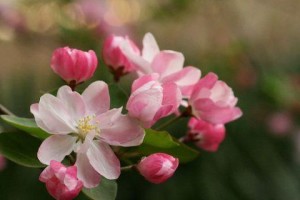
168,64
213,101
150,100
61,182
73,64
206,136
158,167
115,59
84,124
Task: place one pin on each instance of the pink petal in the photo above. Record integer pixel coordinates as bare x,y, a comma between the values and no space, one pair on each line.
150,47
222,116
208,111
171,101
54,114
96,97
56,147
103,159
120,130
85,171
185,79
72,101
207,81
167,62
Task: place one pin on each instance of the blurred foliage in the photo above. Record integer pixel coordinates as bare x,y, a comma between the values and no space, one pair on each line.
252,45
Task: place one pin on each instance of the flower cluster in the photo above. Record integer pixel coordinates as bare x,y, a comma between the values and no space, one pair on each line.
86,131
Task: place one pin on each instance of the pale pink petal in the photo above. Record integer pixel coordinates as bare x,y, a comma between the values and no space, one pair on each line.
144,105
54,114
55,147
143,80
72,101
185,79
120,130
103,159
141,64
34,109
85,171
167,62
96,97
150,47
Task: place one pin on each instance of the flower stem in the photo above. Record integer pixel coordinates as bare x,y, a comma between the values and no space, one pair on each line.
185,113
72,85
127,168
168,123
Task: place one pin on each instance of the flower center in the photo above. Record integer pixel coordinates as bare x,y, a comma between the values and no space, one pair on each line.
86,125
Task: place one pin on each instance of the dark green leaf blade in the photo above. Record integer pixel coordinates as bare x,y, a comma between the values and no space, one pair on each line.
162,141
106,190
25,124
20,148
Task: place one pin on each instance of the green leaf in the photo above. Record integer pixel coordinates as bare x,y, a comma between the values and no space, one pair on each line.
20,148
25,124
162,141
118,95
106,190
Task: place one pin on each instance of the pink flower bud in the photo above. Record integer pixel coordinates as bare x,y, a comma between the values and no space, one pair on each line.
158,167
73,64
213,101
61,182
2,162
206,136
113,56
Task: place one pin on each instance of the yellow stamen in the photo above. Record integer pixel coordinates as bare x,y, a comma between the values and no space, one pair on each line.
85,125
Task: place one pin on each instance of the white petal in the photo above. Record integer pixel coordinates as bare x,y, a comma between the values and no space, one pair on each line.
85,171
150,47
72,101
55,116
103,159
55,147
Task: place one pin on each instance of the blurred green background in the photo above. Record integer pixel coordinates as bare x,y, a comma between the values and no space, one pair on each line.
252,45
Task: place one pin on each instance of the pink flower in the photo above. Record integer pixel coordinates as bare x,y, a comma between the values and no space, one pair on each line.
158,167
206,136
114,57
61,182
168,64
74,65
84,124
150,100
2,162
213,101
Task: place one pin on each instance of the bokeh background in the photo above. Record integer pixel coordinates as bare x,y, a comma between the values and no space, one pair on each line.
253,45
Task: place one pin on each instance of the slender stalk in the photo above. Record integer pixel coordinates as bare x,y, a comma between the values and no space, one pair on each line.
5,111
72,85
168,123
127,168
